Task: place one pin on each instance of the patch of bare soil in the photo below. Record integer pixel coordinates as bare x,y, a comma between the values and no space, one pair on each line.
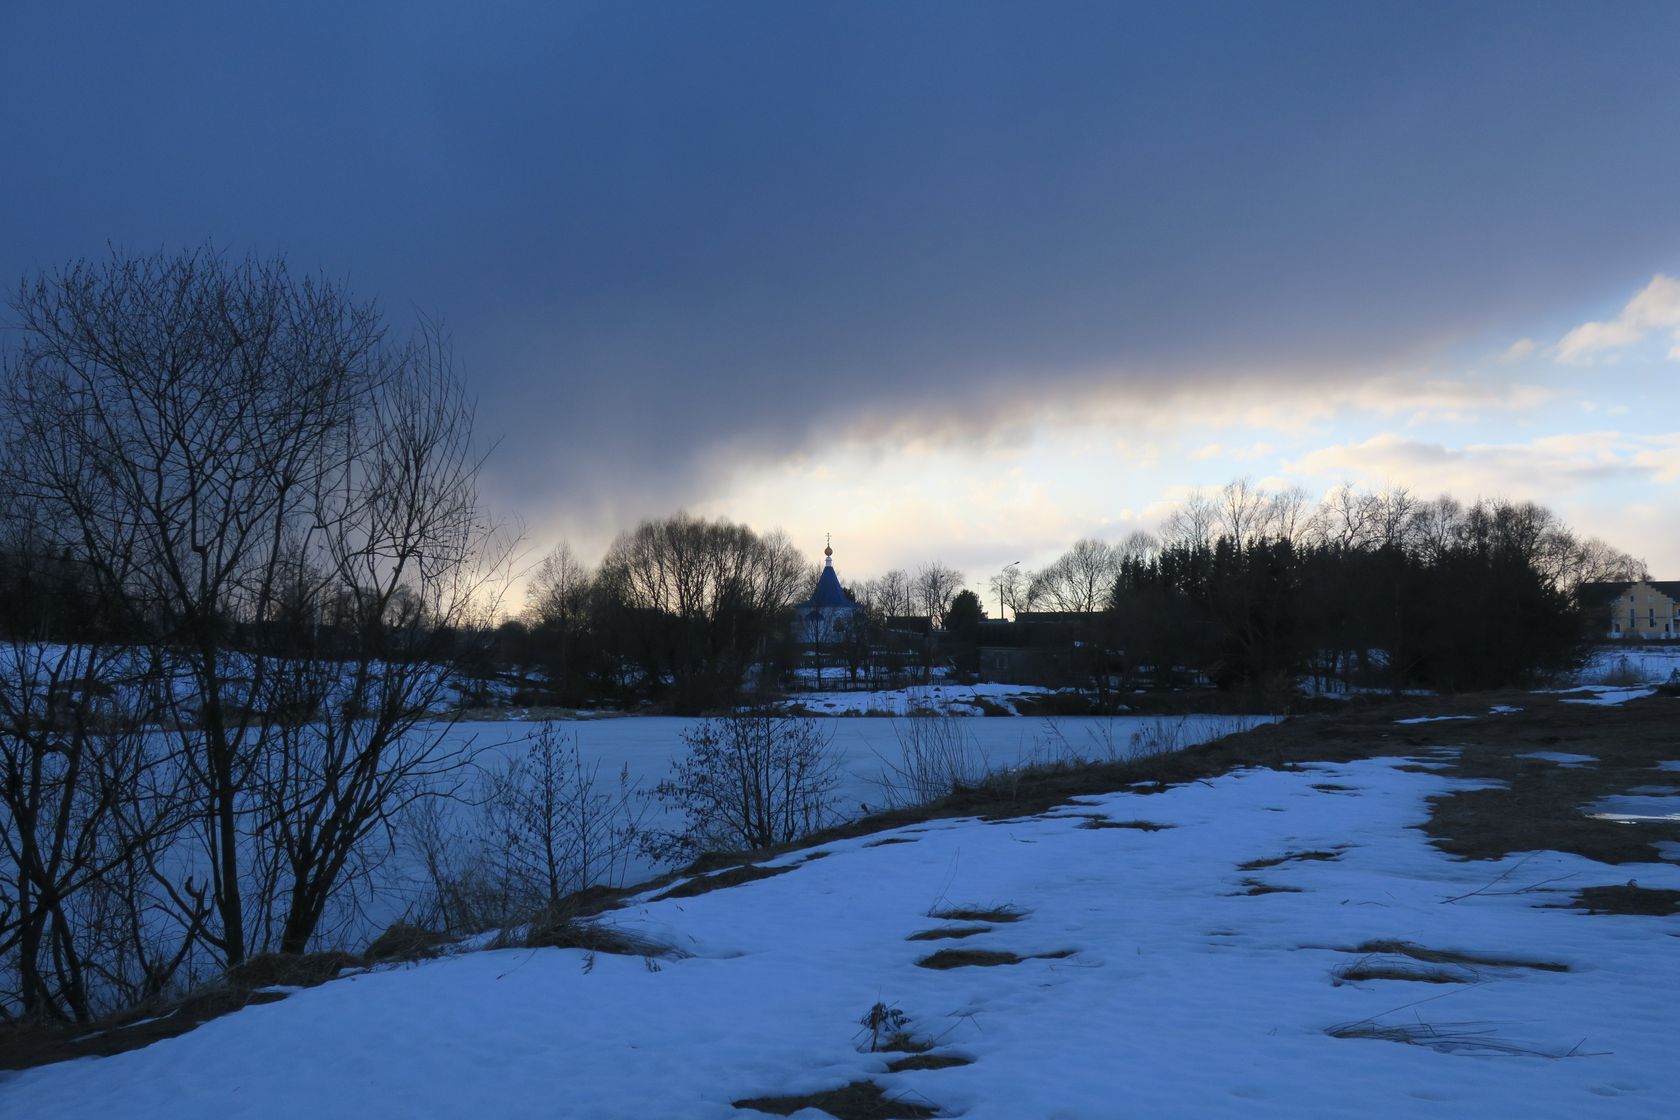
1275,861
984,958
246,984
1451,956
928,1061
734,877
1357,972
944,933
1255,886
978,914
861,1100
1138,826
1628,898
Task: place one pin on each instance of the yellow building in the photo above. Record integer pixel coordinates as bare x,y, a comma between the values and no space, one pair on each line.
1647,609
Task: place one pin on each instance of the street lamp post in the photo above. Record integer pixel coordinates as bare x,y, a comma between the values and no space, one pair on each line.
1002,583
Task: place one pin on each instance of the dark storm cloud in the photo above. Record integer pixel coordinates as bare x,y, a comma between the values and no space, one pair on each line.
659,230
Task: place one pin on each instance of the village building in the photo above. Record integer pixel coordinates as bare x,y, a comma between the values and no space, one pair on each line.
829,614
1643,610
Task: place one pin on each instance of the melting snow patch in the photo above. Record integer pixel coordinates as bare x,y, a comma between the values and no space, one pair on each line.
1607,696
1636,809
1562,758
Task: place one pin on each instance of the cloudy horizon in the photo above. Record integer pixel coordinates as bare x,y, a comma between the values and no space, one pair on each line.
951,281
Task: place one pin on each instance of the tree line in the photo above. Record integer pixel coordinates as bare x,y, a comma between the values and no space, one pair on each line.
1246,589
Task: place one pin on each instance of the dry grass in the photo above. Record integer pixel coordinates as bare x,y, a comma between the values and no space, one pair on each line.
968,958
558,927
289,970
1451,956
1275,861
984,958
861,1100
404,942
246,984
1353,974
734,877
978,914
928,1061
1256,887
1627,898
1449,1038
951,933
1139,826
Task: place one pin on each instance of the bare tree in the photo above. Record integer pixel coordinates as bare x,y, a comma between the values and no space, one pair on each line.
1244,513
1009,586
1193,524
558,592
934,587
1081,579
223,444
88,804
890,594
702,597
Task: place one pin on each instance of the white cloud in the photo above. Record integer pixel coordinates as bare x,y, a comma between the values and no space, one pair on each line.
1518,350
1538,469
1655,308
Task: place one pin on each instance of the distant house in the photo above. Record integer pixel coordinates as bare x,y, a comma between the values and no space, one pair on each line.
1052,648
1647,609
829,614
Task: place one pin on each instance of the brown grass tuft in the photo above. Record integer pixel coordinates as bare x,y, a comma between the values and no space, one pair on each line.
861,1100
1627,899
978,914
943,933
928,1061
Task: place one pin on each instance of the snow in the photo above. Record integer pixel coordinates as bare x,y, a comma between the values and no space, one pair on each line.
1184,996
1562,758
1607,696
1429,719
1642,805
1652,663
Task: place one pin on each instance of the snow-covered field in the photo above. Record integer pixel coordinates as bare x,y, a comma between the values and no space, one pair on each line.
1647,662
1183,995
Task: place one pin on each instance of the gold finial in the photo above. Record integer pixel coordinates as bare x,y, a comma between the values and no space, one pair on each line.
828,545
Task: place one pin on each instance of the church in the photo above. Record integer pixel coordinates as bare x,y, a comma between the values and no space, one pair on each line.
829,613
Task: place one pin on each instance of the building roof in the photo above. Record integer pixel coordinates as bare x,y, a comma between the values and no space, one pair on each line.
1600,593
829,593
1605,592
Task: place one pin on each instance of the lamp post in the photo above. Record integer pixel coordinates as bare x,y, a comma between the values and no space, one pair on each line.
1002,583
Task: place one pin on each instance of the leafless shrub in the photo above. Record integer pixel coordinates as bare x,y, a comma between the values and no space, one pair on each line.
555,826
749,780
937,755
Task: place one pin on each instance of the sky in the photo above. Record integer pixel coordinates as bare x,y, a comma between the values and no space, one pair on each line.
952,281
